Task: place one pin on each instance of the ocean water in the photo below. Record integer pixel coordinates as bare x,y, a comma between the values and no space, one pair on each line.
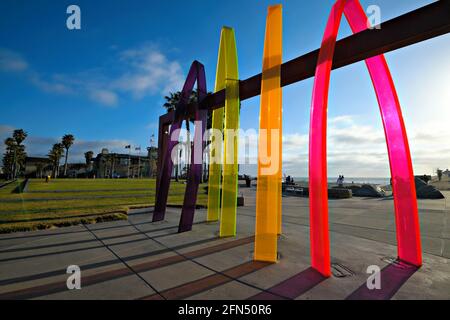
358,180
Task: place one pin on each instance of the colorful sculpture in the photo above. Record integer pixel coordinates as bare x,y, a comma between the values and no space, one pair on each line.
268,195
268,217
406,213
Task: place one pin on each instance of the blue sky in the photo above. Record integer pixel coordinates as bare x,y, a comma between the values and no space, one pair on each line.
105,82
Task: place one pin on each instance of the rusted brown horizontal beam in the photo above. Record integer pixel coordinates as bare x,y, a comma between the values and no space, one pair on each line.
416,26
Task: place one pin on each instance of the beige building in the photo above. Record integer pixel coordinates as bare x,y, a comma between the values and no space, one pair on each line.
115,165
105,165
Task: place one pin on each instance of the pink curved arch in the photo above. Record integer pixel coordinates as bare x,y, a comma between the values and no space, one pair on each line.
406,212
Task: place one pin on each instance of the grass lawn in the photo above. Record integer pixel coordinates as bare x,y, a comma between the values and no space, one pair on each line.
63,202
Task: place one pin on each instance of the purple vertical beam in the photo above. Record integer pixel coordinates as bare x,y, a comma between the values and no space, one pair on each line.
196,74
164,122
195,172
165,173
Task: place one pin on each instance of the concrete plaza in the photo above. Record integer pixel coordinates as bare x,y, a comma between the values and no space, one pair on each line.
137,259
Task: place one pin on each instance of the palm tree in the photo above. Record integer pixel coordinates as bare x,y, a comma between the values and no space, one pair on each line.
19,150
172,101
55,155
8,158
67,142
19,136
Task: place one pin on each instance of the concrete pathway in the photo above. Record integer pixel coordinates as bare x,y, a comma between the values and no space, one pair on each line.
137,259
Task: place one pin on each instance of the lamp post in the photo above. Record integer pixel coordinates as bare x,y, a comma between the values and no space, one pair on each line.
150,155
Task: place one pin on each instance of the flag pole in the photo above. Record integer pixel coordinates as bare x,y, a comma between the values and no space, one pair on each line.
139,163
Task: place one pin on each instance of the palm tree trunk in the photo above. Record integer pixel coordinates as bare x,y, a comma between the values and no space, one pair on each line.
65,163
14,165
188,149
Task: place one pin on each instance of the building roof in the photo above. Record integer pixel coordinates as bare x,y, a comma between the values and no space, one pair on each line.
37,159
122,155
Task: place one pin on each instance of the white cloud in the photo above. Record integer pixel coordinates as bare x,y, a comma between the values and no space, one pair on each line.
341,120
11,61
151,73
152,126
105,97
360,150
51,86
140,72
5,130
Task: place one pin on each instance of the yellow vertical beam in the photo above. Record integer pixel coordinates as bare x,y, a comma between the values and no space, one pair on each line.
215,169
268,195
227,77
231,138
215,165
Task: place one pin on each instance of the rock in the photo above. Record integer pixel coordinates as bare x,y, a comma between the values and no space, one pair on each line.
335,193
419,183
367,190
424,178
339,193
305,191
425,191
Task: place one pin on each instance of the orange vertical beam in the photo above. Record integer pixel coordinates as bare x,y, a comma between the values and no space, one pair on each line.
268,195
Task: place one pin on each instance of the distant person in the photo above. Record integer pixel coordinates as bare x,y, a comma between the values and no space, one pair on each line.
392,186
340,181
439,174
